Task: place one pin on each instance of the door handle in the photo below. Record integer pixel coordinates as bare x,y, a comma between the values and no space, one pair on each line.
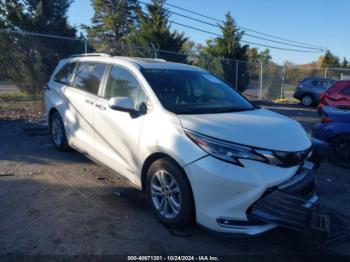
89,102
101,107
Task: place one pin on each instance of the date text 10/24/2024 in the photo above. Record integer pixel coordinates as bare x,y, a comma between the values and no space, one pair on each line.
173,258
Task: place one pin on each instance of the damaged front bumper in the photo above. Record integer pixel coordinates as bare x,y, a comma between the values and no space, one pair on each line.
301,185
292,205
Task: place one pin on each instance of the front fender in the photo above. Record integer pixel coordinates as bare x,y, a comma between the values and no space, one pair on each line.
164,134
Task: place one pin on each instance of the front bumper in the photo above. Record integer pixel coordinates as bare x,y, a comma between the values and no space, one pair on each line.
224,193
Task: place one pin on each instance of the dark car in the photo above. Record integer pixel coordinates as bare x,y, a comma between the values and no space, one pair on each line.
334,130
337,95
309,90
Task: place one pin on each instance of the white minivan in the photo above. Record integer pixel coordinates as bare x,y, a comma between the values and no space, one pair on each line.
198,148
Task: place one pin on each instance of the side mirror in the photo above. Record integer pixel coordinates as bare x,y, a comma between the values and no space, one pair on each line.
124,104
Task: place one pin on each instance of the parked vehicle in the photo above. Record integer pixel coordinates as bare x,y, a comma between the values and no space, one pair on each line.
334,129
195,146
309,90
337,95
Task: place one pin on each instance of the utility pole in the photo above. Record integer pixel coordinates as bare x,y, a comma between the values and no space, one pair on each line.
326,69
236,74
85,45
283,77
261,79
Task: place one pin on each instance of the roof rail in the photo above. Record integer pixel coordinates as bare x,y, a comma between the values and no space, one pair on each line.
91,54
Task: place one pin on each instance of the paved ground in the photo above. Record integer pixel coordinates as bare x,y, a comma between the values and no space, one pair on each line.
54,203
8,89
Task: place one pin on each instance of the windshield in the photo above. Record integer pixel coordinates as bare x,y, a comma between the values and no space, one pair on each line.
194,92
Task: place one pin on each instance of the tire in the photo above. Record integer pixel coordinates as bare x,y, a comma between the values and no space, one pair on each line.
57,132
340,151
178,206
307,100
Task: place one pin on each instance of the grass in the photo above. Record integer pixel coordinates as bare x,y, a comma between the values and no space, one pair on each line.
19,97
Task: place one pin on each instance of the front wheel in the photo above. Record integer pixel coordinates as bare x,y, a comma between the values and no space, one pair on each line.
169,193
340,151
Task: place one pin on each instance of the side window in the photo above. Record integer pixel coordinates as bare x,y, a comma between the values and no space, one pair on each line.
346,91
122,83
328,83
65,74
88,76
314,82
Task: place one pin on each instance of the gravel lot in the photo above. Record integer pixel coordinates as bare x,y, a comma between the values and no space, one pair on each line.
54,203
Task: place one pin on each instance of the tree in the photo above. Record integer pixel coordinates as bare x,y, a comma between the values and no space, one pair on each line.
155,32
112,23
39,16
228,47
253,55
330,60
345,63
34,58
265,56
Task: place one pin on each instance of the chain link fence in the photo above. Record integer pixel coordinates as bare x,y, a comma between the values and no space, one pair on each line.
27,61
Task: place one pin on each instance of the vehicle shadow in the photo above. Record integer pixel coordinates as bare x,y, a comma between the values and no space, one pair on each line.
19,146
54,217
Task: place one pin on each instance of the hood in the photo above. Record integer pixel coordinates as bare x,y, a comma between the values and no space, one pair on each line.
259,128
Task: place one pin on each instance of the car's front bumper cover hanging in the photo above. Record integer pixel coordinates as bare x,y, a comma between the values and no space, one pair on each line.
293,212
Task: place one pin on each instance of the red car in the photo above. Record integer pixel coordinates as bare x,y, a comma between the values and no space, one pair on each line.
337,95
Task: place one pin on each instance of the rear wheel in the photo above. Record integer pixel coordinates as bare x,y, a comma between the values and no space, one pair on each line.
169,193
58,134
307,100
340,152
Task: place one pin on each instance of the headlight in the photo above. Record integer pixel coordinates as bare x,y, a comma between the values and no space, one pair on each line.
223,150
232,153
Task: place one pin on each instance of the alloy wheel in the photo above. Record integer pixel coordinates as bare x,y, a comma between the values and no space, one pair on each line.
307,100
165,193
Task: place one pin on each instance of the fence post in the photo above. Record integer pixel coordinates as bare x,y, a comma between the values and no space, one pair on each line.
236,75
326,72
261,79
283,76
85,45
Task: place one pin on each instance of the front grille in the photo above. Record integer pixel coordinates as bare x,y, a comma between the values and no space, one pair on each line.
303,188
288,159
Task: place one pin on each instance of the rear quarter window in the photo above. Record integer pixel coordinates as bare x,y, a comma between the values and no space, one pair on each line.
88,76
65,74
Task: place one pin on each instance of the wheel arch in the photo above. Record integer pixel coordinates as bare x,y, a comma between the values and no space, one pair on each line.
50,114
159,155
308,94
151,159
338,135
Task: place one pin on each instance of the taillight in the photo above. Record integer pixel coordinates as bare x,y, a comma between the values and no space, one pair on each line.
326,120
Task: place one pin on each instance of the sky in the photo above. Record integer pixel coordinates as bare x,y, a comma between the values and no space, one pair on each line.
317,22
